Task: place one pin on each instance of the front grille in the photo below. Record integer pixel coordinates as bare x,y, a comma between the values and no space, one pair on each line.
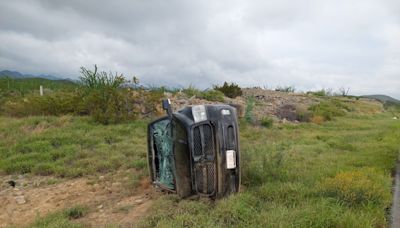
205,178
210,178
197,150
208,141
203,151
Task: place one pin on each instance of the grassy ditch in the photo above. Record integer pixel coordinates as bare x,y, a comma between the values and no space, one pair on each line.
335,174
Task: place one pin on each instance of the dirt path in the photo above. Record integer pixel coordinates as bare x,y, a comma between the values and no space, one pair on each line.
108,203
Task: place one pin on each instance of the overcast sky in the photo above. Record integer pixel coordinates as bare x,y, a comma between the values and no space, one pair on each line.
310,44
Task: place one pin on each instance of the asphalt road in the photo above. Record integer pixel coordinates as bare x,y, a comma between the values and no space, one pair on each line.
396,200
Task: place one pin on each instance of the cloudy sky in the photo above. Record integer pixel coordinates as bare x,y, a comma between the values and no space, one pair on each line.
309,44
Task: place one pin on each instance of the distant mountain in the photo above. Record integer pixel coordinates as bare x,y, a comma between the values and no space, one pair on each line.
18,75
383,98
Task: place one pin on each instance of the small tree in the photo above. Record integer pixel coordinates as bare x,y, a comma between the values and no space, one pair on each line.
344,92
230,90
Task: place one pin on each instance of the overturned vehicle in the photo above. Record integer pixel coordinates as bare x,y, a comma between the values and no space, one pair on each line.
195,151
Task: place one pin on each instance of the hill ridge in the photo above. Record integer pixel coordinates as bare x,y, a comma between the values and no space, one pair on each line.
382,98
19,75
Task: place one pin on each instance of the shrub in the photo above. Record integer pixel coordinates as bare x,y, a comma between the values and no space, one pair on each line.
212,95
267,122
285,89
358,187
106,106
102,96
230,90
191,91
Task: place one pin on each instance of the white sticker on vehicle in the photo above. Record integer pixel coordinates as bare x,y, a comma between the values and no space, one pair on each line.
230,159
199,113
225,112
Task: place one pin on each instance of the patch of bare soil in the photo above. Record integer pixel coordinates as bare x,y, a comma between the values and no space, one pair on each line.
108,203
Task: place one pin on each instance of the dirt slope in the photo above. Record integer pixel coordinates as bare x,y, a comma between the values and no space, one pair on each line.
108,203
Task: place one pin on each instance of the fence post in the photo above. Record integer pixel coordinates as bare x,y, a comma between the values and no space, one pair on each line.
41,90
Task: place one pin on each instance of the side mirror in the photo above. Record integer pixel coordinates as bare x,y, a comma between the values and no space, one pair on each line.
166,103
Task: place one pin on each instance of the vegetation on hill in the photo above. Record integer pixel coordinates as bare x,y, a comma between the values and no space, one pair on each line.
98,94
31,85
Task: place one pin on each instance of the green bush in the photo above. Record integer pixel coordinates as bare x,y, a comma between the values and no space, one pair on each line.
102,96
230,90
212,95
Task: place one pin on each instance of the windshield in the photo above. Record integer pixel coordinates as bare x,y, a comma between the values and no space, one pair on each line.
162,134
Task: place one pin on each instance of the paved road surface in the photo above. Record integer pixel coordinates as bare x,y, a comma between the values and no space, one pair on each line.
396,200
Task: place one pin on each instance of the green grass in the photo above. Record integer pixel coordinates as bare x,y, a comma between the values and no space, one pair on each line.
333,174
267,122
337,174
70,146
61,219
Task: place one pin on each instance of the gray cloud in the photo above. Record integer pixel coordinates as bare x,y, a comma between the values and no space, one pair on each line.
310,44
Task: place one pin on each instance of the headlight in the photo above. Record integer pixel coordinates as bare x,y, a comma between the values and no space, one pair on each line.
230,159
